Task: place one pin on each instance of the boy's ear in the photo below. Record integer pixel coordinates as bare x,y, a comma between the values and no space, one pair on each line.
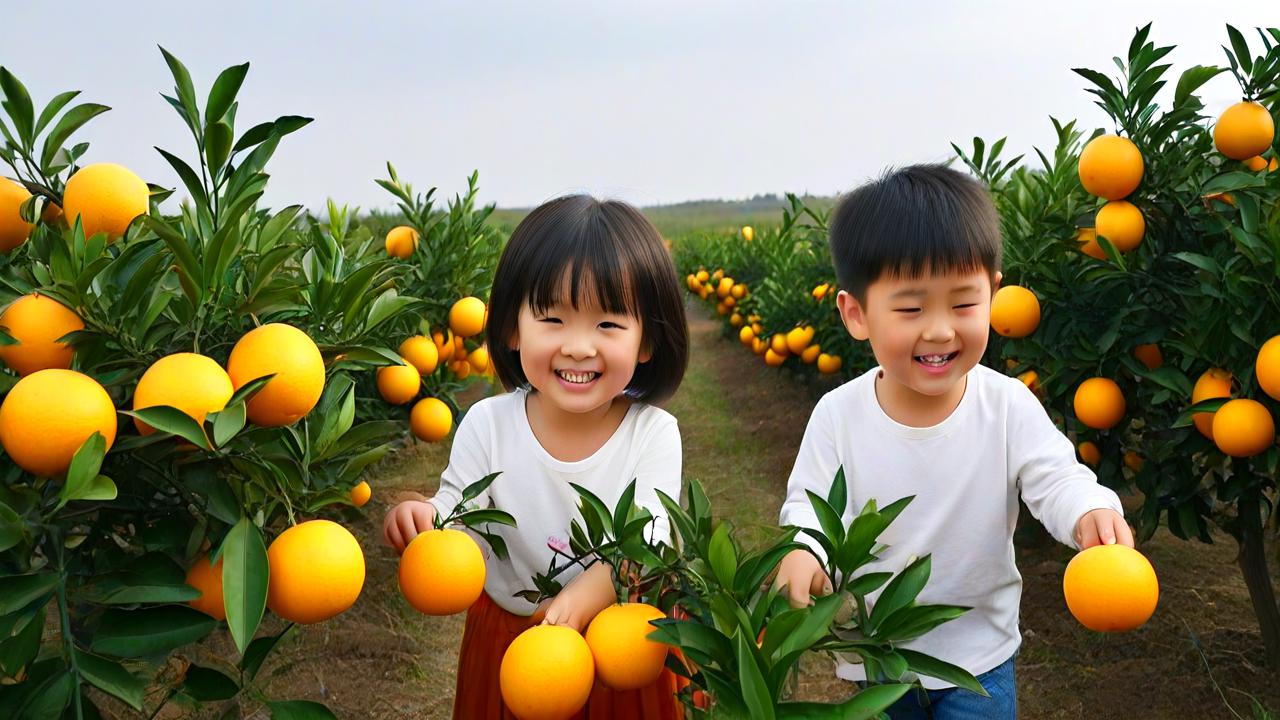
853,315
995,282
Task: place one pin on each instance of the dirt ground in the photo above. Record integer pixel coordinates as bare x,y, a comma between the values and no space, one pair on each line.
741,424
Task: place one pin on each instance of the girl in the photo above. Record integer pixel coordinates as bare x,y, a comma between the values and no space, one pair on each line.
587,329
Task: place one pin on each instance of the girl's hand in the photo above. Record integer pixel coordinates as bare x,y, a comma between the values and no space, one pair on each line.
802,575
405,521
582,599
1102,527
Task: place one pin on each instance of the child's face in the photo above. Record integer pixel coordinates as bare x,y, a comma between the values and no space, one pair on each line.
578,358
926,333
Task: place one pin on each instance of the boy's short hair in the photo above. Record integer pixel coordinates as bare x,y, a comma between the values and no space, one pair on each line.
601,252
912,221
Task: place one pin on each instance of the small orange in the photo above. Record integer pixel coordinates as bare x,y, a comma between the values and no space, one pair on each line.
467,316
431,419
715,276
748,233
1244,130
1087,238
725,287
421,353
193,383
1257,163
759,346
703,276
730,302
208,580
1267,368
779,344
1090,454
443,341
293,358
460,368
1149,354
1122,223
1213,383
798,339
746,335
773,359
1099,404
37,322
479,359
361,493
13,229
810,354
735,320
821,291
1031,379
398,384
739,291
1110,588
1243,428
721,308
625,657
402,241
828,364
317,572
1110,167
1133,461
546,673
106,198
442,572
1015,311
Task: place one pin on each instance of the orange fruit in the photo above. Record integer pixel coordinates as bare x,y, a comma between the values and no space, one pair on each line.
195,384
773,359
444,345
735,320
402,241
1267,368
1090,454
722,309
461,368
810,354
625,658
748,233
730,302
421,353
1133,461
431,419
106,197
208,580
715,276
703,276
546,673
479,359
36,322
49,414
1110,167
1244,130
828,364
286,352
1110,588
398,384
1243,428
1257,163
746,335
466,317
1015,311
1213,383
442,572
361,493
704,292
739,291
317,572
1031,379
821,291
1087,238
13,229
724,288
691,281
759,346
799,338
1149,354
756,327
1122,223
779,344
1099,404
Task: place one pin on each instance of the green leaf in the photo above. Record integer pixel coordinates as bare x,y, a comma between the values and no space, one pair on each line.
189,178
111,677
186,90
227,422
83,481
173,421
901,591
217,145
18,650
386,306
280,127
622,510
55,105
258,651
300,710
150,631
868,703
244,580
249,389
473,491
75,118
23,590
18,103
723,557
829,519
838,496
932,667
1191,80
208,685
1241,49
11,529
224,93
755,691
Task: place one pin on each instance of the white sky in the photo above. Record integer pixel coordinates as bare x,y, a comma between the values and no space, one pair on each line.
654,102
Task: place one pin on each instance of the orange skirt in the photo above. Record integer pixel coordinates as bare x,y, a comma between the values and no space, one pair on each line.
489,631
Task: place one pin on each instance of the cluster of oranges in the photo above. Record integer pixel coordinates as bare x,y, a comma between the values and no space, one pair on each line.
104,197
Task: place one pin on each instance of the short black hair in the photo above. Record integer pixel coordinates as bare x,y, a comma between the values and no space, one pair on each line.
913,221
612,256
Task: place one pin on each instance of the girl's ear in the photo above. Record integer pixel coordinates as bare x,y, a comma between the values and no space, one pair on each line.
853,315
513,342
646,352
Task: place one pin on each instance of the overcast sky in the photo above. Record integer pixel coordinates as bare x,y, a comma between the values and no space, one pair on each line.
653,102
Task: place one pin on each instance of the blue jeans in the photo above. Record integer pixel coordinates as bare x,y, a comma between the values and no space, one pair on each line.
957,704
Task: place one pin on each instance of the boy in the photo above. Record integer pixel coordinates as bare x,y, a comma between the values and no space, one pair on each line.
917,255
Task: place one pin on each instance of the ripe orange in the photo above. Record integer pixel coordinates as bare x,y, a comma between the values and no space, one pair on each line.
195,384
208,580
721,308
444,345
1110,588
479,359
703,276
735,320
691,281
431,419
730,302
1087,237
36,322
317,572
810,354
1090,454
1110,167
442,572
625,658
13,229
1213,383
739,291
1244,130
421,353
746,335
1243,428
759,346
286,352
773,359
704,292
1149,355
1257,163
748,233
799,338
725,287
1015,311
1122,223
466,317
361,493
756,327
49,414
1031,379
1133,461
546,673
1099,404
106,197
821,291
461,368
1267,368
779,344
398,384
402,241
828,364
715,276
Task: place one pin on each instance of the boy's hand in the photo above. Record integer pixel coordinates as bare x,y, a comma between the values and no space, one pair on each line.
1102,527
582,599
405,521
802,575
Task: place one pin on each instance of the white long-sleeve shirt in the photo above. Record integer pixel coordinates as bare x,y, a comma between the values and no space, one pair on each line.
534,486
965,473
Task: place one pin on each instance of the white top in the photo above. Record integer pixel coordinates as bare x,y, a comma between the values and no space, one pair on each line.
534,486
966,473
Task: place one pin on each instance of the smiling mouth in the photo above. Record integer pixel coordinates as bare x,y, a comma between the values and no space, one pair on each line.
577,378
936,360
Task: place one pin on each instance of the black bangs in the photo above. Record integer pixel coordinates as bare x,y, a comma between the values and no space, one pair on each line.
919,220
592,264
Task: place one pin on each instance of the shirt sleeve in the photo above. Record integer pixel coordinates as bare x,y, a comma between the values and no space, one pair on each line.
659,468
468,462
816,464
1055,486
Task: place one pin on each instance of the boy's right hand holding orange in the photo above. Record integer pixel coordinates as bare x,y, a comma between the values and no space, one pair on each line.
802,575
406,520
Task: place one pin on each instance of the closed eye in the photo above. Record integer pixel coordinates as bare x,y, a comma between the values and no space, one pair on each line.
607,325
554,320
907,310
967,305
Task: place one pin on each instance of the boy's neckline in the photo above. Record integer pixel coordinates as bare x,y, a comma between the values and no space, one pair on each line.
574,463
923,422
